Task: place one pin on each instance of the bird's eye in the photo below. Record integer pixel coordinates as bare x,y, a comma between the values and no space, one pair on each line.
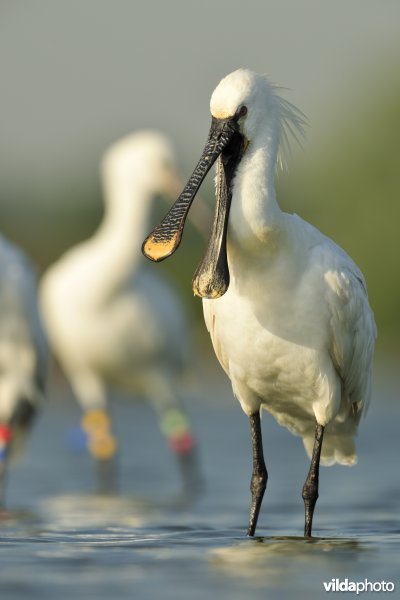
242,112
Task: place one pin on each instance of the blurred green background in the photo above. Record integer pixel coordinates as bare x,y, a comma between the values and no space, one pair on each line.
77,75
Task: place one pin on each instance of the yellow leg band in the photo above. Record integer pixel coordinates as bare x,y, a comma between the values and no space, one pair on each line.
101,443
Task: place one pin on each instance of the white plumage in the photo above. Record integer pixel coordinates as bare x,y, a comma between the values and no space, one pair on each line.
23,350
303,350
286,308
110,321
294,331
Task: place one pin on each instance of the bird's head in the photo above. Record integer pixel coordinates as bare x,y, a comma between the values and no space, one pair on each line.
143,160
245,109
247,100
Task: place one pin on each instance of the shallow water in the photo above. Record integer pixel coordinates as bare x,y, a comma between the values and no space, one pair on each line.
60,540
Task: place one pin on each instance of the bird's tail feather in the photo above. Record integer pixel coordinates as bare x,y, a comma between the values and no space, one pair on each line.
336,449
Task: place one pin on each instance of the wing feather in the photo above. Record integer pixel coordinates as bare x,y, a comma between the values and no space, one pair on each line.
353,334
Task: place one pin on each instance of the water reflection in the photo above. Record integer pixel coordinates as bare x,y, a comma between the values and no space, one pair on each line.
97,511
101,511
274,559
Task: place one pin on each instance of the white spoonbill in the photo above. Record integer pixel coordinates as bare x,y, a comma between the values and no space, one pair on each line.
286,308
110,321
23,352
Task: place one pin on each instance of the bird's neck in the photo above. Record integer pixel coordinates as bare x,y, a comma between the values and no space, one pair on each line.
127,209
120,235
256,219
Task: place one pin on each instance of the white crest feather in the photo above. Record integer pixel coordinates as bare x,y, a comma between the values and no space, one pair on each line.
292,123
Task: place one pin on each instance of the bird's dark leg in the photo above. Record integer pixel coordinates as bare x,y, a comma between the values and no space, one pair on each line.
310,487
259,476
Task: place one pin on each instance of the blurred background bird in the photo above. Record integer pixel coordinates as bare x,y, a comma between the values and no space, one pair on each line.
113,323
23,353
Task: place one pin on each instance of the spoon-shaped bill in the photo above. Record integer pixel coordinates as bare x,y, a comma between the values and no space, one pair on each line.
166,237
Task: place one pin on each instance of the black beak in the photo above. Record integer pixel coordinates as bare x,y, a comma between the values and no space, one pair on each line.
211,279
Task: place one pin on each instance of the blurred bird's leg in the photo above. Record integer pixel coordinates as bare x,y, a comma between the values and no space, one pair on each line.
310,487
184,447
260,475
102,445
175,425
3,470
3,481
5,440
13,431
91,394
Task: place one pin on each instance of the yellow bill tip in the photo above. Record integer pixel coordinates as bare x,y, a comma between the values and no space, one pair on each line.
157,250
